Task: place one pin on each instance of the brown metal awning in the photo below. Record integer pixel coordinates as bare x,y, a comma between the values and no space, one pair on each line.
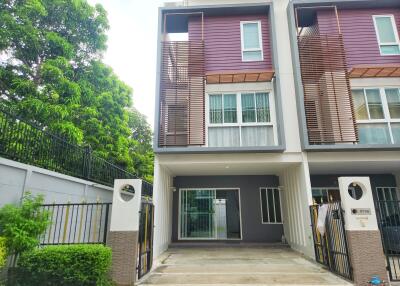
375,71
238,77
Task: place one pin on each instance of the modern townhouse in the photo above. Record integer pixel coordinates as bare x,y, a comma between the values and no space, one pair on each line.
262,105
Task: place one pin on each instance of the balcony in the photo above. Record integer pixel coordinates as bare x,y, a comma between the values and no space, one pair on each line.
182,94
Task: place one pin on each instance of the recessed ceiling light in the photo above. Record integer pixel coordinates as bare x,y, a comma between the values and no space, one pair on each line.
226,167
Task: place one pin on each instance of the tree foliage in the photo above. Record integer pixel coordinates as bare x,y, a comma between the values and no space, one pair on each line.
51,73
22,225
3,252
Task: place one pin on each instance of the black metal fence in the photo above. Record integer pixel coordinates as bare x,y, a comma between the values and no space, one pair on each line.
388,214
331,249
77,223
145,241
27,143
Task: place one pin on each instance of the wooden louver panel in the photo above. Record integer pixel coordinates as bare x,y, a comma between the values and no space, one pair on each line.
182,94
327,96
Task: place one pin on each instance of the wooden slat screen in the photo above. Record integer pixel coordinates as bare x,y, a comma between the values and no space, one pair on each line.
327,96
182,94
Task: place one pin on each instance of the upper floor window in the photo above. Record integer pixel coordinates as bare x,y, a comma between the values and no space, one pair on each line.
240,119
378,115
251,41
386,32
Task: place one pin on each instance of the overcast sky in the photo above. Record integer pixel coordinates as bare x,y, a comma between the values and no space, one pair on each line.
132,47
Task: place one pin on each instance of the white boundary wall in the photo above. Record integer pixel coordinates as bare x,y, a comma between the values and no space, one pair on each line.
17,178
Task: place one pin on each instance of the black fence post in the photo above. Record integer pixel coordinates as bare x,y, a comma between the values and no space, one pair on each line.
87,162
106,224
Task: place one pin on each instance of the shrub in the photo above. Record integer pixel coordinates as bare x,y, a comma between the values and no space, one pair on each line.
3,252
22,225
67,265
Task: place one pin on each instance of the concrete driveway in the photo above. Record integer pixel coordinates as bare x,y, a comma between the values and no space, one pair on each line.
239,265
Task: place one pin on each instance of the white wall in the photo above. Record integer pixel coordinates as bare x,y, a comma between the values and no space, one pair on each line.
162,198
297,196
284,71
16,178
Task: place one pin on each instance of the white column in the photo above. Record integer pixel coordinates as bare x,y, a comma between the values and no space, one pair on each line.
162,198
284,71
297,196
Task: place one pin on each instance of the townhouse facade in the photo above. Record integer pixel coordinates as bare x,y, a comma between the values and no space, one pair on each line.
262,105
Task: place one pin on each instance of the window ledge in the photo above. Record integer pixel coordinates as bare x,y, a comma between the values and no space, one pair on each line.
345,147
193,149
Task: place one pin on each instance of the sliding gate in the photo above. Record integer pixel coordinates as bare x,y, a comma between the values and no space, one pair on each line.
331,248
389,225
145,240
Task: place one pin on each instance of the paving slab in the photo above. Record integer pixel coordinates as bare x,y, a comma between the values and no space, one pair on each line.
244,265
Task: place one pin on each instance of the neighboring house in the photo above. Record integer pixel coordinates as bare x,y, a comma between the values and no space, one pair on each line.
262,105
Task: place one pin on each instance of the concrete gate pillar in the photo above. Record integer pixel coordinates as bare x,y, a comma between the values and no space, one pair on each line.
124,230
363,236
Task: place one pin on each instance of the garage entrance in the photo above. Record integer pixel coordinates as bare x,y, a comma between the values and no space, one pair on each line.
238,265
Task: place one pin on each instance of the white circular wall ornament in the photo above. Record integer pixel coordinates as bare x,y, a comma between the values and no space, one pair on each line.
127,192
356,191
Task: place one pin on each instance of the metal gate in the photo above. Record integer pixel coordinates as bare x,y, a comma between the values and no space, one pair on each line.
145,240
389,225
76,223
331,249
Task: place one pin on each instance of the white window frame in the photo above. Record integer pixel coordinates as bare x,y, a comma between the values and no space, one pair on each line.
397,42
280,205
385,106
240,123
260,49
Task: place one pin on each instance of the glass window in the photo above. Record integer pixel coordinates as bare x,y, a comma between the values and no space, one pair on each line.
262,106
255,107
393,99
377,112
251,36
271,205
250,127
215,108
224,136
251,41
374,104
368,106
257,136
230,110
248,108
396,132
374,133
223,108
360,106
387,35
385,29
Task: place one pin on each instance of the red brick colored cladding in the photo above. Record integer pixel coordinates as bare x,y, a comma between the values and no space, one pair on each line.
223,43
359,37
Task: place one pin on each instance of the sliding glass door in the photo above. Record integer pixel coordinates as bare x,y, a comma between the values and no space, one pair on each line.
197,214
209,214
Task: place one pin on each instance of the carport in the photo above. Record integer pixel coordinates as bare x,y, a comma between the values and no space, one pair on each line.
216,264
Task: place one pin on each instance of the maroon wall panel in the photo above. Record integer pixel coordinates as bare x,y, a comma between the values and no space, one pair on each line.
223,44
359,35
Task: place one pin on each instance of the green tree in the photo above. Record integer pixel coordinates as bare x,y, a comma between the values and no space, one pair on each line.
22,225
141,149
51,73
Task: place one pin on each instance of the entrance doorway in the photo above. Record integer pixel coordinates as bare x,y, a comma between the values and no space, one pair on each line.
209,214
